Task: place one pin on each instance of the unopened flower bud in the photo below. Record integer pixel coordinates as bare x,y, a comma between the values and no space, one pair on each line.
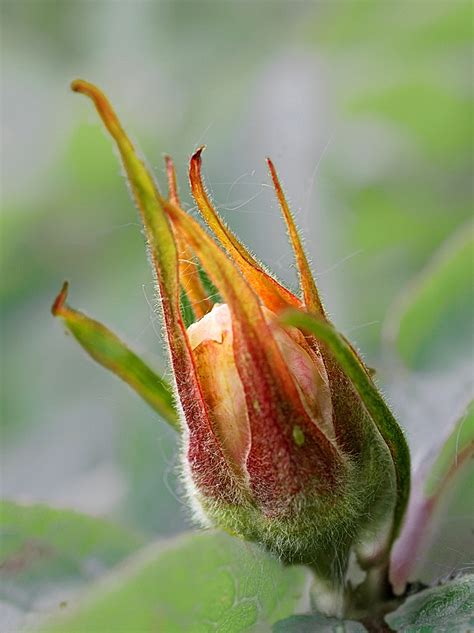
279,446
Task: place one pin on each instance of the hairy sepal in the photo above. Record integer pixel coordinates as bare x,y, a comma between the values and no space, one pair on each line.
383,457
202,445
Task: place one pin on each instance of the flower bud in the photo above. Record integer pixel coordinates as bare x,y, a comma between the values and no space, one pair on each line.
279,446
309,509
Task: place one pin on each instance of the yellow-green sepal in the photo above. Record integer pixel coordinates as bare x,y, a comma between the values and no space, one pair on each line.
110,352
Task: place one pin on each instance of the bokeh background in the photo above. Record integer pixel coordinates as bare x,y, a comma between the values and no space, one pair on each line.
364,106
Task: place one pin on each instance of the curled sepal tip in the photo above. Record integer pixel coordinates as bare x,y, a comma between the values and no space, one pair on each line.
164,256
60,299
273,295
104,108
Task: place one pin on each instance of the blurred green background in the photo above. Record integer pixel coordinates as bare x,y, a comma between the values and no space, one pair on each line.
365,107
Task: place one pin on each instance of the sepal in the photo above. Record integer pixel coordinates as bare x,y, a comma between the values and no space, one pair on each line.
110,352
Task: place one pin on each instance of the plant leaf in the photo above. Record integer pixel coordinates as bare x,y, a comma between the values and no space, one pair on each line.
319,623
202,582
457,449
45,553
110,352
410,105
373,401
431,487
431,321
448,608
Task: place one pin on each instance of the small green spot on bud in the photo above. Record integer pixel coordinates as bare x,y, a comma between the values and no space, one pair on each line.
298,435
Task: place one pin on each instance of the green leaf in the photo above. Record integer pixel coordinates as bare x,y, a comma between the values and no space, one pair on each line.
431,321
45,551
431,114
319,623
378,410
202,582
425,29
434,487
457,449
110,352
88,161
448,608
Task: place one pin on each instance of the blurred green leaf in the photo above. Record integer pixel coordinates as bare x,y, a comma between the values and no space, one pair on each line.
44,551
88,161
414,27
203,582
449,545
313,623
389,217
109,351
431,321
452,26
438,119
457,449
434,487
448,608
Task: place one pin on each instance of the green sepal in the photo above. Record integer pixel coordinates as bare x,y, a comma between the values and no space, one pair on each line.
110,352
187,311
371,398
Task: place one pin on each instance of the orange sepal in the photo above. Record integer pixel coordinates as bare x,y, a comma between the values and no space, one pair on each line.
310,293
273,295
188,269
